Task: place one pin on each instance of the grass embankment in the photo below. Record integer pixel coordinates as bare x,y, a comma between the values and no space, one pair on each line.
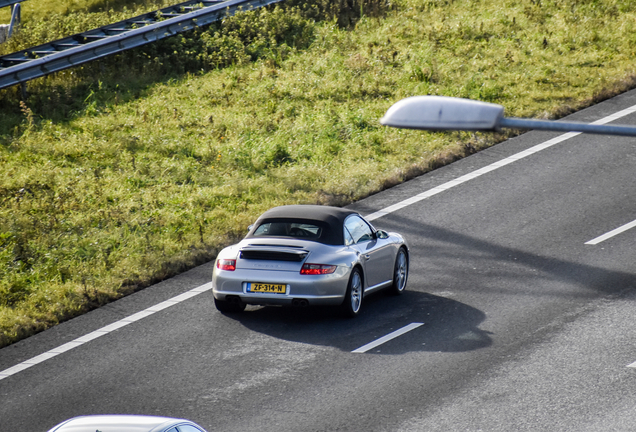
129,170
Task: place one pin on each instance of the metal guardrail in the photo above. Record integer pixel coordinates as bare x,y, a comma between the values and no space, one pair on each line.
4,3
55,56
15,18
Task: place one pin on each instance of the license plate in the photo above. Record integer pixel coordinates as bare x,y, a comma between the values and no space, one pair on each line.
266,288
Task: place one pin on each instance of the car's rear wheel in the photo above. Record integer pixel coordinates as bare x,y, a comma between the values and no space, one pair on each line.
353,298
400,272
229,307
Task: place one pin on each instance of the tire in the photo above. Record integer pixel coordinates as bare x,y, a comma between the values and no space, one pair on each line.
400,272
229,307
353,298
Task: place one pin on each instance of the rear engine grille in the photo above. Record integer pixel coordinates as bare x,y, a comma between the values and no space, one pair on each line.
272,255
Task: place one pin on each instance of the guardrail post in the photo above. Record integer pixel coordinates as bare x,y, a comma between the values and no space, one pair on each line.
16,17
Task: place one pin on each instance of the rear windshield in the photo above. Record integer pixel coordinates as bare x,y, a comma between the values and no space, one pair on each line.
291,228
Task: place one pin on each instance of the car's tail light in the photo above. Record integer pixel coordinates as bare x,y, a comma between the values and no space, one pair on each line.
317,269
226,264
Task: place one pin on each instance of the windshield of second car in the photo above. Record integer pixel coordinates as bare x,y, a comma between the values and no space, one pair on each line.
288,229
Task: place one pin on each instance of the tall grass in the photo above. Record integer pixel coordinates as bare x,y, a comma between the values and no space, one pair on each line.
41,10
126,171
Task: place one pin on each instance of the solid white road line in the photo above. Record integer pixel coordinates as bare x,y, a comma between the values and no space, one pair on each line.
471,176
387,338
104,330
492,167
196,291
612,233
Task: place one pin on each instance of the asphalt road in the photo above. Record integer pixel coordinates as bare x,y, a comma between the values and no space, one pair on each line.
525,327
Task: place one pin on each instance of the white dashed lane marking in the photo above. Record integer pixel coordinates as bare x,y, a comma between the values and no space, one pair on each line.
387,338
612,233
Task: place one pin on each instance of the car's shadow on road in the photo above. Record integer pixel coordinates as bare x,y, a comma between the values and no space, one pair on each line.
449,326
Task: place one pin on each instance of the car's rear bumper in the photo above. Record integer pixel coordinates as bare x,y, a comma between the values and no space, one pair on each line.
314,289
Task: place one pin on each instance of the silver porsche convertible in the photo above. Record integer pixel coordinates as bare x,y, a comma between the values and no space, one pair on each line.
300,255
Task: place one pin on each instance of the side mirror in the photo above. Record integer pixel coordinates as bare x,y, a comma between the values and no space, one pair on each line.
381,234
249,228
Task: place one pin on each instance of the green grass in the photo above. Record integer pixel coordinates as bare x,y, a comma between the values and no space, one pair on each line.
129,170
47,20
41,10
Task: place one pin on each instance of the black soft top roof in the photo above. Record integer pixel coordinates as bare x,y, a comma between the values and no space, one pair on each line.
331,218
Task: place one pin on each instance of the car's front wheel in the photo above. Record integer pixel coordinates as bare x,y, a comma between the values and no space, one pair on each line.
353,298
229,307
400,272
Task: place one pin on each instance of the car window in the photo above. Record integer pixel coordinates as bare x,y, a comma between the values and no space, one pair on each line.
357,230
348,239
288,229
